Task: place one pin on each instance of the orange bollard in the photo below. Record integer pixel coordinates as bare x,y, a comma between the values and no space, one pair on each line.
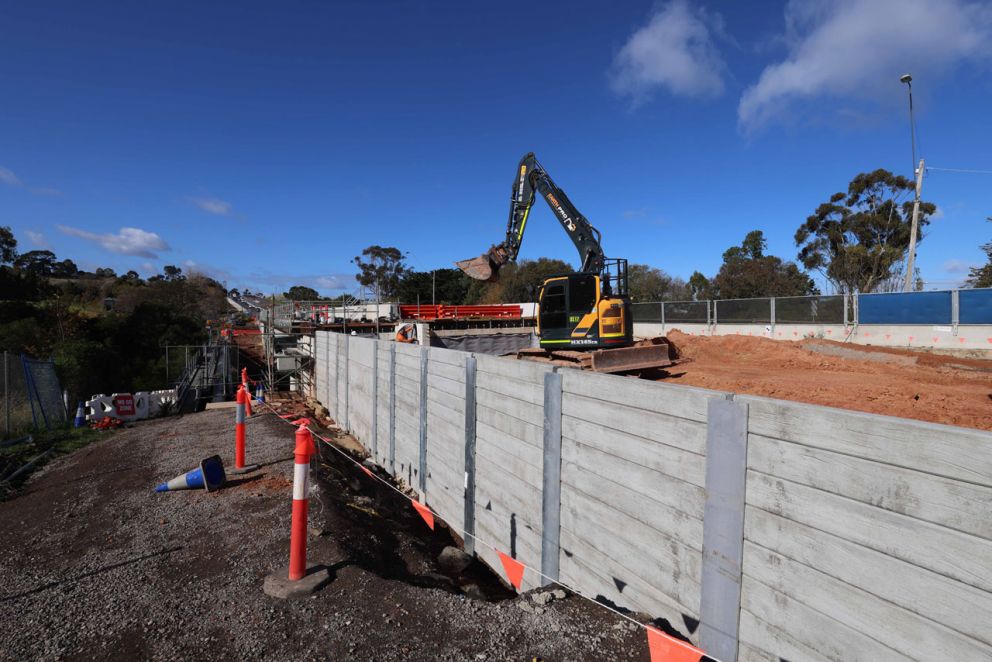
298,580
241,434
298,535
239,430
247,387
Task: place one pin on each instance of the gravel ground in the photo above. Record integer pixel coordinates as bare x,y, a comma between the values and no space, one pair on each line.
94,565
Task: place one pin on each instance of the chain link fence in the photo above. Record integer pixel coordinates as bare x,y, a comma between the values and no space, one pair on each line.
31,396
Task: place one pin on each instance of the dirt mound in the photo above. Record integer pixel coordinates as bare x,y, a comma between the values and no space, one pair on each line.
895,382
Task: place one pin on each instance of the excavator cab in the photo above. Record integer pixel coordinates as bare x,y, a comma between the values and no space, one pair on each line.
586,310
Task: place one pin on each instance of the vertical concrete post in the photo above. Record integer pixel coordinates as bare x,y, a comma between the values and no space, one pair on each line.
469,512
327,371
551,484
847,302
955,311
771,312
347,381
423,422
337,378
392,408
662,304
375,400
723,527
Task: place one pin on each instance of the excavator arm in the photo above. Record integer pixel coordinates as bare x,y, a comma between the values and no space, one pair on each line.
531,179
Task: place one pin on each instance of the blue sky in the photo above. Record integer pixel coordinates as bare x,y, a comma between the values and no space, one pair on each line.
267,143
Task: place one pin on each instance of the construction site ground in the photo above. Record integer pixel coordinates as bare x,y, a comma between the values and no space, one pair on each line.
922,385
95,565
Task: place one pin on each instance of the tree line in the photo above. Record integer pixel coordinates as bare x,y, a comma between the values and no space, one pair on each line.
857,241
104,331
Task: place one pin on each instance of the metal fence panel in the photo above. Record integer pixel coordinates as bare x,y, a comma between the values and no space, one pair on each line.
743,311
45,393
975,306
695,312
905,308
646,312
15,406
828,309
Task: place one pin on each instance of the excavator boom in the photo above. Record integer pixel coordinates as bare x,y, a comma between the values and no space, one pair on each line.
584,317
529,180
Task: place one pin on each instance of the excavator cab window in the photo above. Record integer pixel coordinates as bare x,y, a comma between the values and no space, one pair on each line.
582,293
554,305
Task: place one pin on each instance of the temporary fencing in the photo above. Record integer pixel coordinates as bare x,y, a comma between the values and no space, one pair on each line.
662,646
31,396
941,307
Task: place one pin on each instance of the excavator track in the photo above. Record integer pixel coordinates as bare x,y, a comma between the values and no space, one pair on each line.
643,356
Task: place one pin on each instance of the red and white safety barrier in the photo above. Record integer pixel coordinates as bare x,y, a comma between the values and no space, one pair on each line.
127,406
301,487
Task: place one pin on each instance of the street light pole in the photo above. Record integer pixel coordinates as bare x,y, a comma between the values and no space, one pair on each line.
907,284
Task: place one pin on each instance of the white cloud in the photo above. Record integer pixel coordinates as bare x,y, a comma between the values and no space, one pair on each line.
859,48
330,282
128,241
957,266
37,238
45,190
9,178
213,205
674,51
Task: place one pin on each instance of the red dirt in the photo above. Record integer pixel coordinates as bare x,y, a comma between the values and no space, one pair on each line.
894,382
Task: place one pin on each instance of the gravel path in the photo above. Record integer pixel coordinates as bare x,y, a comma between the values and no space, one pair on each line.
94,565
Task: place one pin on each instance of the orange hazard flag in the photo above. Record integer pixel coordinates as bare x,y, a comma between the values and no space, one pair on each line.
514,569
425,512
366,470
665,648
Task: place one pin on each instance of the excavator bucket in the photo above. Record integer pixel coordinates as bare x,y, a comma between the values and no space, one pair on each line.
479,268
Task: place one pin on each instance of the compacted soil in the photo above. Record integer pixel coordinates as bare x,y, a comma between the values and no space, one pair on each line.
896,382
95,565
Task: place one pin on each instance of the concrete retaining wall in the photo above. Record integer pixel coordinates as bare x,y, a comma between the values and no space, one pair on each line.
885,335
758,528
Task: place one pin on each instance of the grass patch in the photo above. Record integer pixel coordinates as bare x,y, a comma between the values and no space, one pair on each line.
42,447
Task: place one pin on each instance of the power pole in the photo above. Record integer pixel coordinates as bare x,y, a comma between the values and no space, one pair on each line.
907,285
433,289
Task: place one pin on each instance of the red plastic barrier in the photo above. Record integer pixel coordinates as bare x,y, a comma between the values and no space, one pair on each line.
423,312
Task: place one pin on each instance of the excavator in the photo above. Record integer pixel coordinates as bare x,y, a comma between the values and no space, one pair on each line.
584,317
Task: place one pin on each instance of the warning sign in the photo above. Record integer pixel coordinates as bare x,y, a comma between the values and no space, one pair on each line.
124,404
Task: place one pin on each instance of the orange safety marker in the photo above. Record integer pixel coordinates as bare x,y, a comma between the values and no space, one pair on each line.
301,476
425,512
514,569
301,421
239,430
665,648
244,385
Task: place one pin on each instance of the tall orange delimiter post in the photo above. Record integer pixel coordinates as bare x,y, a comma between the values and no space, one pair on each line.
301,476
239,429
